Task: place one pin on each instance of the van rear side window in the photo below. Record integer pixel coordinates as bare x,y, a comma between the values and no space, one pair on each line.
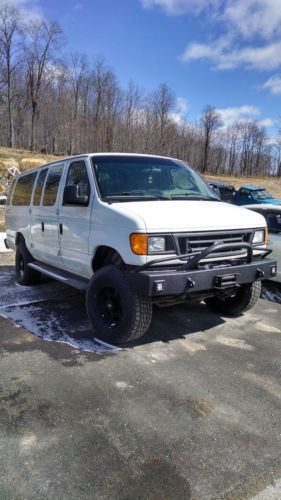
52,185
23,190
39,187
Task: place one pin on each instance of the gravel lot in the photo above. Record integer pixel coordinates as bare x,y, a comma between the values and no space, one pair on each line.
191,411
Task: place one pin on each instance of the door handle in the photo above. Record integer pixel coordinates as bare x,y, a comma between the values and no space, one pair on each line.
42,227
61,228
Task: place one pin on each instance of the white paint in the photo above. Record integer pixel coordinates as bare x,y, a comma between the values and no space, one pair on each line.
2,244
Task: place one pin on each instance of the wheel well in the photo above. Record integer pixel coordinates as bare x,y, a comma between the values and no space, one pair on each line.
105,256
19,237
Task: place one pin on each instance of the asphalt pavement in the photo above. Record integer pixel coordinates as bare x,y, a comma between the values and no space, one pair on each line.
191,411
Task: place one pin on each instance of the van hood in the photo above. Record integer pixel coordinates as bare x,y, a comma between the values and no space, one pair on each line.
184,215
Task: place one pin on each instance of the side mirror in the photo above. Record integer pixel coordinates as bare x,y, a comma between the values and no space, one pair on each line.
71,196
216,191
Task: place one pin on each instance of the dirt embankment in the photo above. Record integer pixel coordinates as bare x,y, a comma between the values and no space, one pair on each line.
2,219
13,161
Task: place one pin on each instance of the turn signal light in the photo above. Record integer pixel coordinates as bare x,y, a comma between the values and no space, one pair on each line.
138,243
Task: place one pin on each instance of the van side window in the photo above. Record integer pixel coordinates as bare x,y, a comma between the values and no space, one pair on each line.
78,176
11,191
39,187
23,190
52,185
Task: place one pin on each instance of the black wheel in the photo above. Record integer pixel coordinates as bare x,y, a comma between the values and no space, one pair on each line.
117,313
25,275
245,298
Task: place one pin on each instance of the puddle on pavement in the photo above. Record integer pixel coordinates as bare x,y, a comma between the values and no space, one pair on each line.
50,311
271,290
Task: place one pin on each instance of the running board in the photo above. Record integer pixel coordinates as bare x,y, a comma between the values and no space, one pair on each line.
60,275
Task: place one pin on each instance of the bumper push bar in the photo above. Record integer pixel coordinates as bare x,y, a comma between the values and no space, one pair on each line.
188,279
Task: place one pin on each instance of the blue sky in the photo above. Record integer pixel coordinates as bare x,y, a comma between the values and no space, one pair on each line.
226,53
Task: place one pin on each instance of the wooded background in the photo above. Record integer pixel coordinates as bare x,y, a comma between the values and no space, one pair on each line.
61,104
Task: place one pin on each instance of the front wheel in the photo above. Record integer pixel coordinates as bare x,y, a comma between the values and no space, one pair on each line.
117,313
245,298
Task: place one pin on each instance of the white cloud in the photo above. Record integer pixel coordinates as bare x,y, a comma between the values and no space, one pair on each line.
242,20
273,84
77,6
224,56
267,122
179,7
230,115
248,17
254,17
28,9
180,112
182,105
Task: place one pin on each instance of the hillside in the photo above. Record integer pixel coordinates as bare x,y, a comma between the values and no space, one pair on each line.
19,159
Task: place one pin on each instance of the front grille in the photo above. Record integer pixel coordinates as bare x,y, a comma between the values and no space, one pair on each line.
194,243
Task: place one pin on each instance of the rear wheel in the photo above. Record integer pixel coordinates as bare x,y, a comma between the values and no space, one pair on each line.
245,298
117,313
25,275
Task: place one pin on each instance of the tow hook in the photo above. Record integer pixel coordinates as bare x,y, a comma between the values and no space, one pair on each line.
259,273
190,283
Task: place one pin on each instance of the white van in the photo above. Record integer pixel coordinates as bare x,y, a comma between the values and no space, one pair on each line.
133,230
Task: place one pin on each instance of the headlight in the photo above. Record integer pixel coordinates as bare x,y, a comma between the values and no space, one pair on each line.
143,244
156,244
259,236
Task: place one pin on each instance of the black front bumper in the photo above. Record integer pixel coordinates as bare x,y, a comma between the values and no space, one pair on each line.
180,282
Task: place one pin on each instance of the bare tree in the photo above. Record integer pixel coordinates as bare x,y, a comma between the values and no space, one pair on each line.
10,58
40,40
210,121
163,105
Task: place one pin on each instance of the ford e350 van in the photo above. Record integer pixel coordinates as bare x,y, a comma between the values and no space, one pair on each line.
133,231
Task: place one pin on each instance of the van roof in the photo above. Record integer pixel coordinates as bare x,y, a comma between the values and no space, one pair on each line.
91,155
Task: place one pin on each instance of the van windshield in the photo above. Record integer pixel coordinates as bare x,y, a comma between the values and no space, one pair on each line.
127,178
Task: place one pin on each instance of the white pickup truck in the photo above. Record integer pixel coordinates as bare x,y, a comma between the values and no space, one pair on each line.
134,230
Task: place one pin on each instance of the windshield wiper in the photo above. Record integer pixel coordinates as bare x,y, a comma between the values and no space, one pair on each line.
136,194
186,196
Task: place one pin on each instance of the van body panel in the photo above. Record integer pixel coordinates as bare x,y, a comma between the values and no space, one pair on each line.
44,226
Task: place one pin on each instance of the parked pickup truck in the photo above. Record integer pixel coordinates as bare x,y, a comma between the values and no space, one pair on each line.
224,190
248,195
133,231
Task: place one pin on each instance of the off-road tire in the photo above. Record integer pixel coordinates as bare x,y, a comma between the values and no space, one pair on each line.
133,311
245,298
24,274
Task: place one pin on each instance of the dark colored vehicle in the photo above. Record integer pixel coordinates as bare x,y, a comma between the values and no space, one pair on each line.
224,190
272,215
249,195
